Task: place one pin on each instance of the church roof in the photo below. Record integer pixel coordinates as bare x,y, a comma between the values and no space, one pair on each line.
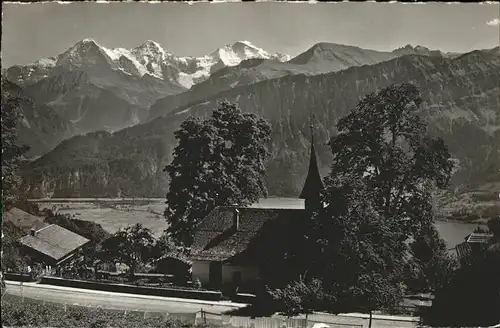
314,184
216,239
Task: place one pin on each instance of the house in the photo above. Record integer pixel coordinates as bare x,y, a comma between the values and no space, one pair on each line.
474,242
233,245
52,245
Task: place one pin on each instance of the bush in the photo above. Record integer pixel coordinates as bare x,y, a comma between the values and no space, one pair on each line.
13,257
16,312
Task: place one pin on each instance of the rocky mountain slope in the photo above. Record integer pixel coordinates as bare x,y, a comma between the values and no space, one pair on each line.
319,59
41,128
461,102
87,106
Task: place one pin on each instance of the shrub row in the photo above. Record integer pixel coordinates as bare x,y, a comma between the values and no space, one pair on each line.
18,277
17,312
143,290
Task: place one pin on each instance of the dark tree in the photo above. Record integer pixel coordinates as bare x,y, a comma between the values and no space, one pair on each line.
383,142
354,251
377,197
218,161
133,246
12,255
12,152
431,265
300,297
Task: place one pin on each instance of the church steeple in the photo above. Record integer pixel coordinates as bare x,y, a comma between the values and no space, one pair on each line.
313,185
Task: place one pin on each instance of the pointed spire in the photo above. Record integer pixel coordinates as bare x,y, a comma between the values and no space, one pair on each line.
313,185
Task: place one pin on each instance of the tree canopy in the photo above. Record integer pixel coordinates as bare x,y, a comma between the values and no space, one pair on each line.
12,152
133,246
431,265
218,161
377,199
301,297
383,142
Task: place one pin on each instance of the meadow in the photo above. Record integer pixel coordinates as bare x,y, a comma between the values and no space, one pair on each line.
113,214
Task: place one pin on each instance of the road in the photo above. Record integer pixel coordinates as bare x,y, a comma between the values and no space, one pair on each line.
133,302
109,300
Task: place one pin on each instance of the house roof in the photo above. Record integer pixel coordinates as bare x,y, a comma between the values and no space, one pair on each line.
54,241
23,220
215,239
479,238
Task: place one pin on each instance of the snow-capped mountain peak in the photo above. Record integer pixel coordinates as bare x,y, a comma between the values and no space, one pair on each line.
150,44
84,54
84,46
150,49
88,40
150,59
233,54
46,62
248,43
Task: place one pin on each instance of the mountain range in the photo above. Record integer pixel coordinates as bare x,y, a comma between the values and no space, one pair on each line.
319,59
94,88
97,88
461,102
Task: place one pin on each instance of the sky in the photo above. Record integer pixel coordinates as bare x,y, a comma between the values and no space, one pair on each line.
40,30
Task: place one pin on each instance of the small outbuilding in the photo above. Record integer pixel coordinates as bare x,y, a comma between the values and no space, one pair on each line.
474,243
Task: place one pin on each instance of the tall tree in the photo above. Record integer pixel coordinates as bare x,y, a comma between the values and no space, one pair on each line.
354,251
431,265
377,197
12,152
349,251
218,161
383,142
300,297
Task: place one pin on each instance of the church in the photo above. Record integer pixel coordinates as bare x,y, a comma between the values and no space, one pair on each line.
234,245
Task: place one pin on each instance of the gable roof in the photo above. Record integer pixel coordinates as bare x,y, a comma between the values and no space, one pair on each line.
54,241
24,220
479,238
215,239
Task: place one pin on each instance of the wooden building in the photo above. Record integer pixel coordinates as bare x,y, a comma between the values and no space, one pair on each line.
52,245
234,244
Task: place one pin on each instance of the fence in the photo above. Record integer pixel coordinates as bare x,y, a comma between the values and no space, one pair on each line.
229,321
331,321
188,318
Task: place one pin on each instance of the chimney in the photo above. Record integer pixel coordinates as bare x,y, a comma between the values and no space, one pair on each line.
33,232
236,219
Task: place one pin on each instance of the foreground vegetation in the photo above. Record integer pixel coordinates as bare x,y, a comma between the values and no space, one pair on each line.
16,312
